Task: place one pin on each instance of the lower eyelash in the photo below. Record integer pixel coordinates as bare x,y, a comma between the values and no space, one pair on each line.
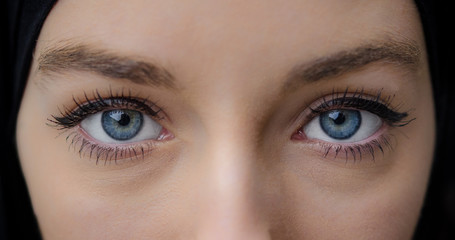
357,151
360,101
68,123
87,148
354,151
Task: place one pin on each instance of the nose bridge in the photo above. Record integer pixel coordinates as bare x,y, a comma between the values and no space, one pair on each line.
228,208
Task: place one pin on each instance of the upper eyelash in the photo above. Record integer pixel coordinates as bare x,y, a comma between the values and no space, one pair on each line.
360,100
70,118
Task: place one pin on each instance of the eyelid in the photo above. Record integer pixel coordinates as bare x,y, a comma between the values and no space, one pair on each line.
86,146
71,117
69,121
359,100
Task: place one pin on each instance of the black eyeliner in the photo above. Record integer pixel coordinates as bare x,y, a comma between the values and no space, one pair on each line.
360,101
70,118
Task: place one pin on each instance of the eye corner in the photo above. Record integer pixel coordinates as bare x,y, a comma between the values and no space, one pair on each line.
85,129
298,135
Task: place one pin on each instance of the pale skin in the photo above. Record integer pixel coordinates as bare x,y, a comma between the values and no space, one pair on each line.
230,167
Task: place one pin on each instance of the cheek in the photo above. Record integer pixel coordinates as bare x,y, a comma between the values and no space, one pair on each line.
102,218
73,201
324,198
70,205
383,210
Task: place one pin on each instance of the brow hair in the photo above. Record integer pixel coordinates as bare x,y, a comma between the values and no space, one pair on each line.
82,57
400,53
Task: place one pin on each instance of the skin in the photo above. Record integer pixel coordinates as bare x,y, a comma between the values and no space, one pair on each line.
232,169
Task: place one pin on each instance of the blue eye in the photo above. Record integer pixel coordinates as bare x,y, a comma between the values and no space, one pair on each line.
340,124
122,124
343,125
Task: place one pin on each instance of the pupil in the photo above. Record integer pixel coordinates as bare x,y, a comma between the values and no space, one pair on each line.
124,120
337,117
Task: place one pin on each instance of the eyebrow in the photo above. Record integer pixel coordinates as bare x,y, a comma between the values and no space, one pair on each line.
82,57
400,53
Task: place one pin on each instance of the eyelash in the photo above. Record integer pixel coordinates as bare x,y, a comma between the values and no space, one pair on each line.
359,100
68,119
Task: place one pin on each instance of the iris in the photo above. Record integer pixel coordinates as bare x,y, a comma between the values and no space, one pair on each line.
122,124
340,124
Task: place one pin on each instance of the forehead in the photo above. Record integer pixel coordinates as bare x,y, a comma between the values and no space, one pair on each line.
233,39
220,25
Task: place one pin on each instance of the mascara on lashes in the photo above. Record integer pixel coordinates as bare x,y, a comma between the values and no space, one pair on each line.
360,101
71,118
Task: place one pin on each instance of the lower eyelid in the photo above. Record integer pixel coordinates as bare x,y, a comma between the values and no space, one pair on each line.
87,147
373,102
379,141
69,120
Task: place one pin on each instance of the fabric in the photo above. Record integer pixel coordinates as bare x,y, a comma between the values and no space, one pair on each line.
20,25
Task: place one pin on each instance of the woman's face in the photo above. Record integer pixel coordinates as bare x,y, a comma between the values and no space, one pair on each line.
228,120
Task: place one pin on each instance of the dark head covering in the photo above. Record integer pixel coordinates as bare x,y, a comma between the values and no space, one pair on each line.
21,23
438,213
20,26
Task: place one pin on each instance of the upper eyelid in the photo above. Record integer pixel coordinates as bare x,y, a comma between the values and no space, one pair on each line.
132,103
393,117
348,102
326,101
71,117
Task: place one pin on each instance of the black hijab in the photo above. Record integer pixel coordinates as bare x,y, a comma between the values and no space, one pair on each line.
20,26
